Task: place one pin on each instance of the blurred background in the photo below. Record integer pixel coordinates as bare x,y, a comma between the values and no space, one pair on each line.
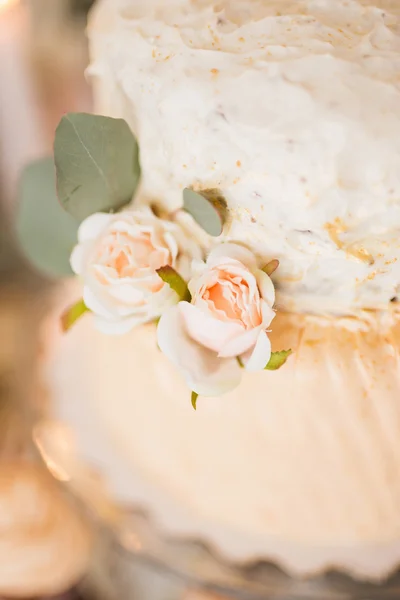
43,55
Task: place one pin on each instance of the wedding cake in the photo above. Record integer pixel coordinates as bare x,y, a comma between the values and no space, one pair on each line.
290,109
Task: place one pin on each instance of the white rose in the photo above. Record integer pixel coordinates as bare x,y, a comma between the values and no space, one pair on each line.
227,318
117,257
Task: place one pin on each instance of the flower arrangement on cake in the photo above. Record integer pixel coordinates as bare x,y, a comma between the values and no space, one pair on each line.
136,267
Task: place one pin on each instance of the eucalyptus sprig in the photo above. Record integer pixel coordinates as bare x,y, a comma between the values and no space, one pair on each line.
208,208
95,169
97,164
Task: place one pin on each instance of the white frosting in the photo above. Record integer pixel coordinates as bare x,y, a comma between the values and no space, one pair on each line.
300,466
291,108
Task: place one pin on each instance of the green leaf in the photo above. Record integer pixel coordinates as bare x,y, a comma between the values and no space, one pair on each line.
208,208
97,164
175,282
271,267
278,359
194,400
46,233
72,314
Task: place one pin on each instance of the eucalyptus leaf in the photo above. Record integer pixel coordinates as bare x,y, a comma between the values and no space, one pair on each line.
194,400
271,267
97,164
175,282
208,208
72,314
278,359
46,233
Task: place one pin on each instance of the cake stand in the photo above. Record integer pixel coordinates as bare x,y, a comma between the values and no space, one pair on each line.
141,564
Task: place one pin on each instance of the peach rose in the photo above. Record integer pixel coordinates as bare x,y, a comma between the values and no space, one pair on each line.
227,318
117,257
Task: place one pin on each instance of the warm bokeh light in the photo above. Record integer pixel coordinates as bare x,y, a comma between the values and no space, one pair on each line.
5,4
55,444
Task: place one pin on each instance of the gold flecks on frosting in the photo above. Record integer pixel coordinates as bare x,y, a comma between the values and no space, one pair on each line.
334,230
159,57
313,342
292,278
371,276
216,40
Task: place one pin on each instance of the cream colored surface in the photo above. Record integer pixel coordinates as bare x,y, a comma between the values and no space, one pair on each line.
44,545
291,108
300,465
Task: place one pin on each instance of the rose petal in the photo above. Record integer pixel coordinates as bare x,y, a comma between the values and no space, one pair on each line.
104,275
240,276
223,303
258,358
93,226
161,300
172,244
204,279
119,268
266,287
229,250
77,259
204,373
207,330
240,344
183,266
268,314
127,293
94,303
127,224
198,268
158,258
205,306
156,233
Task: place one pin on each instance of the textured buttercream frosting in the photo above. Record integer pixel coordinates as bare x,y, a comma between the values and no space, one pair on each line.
300,466
291,108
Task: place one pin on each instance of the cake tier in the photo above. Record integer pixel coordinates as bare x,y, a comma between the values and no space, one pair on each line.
291,108
300,465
